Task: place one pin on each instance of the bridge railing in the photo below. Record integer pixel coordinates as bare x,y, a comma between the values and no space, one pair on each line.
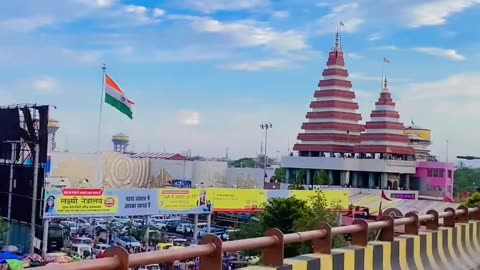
211,249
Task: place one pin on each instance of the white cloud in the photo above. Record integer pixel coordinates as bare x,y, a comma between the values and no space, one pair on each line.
363,77
269,64
82,57
351,15
375,36
388,48
26,24
45,85
280,14
212,6
157,12
250,34
188,118
436,12
354,56
445,53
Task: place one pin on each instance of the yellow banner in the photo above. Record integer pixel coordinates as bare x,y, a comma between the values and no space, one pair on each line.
333,198
184,200
85,205
237,200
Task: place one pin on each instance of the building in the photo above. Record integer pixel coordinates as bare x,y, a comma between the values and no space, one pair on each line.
120,142
374,155
434,180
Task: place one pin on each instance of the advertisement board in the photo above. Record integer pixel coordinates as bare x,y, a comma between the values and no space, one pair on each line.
99,202
184,201
237,200
60,203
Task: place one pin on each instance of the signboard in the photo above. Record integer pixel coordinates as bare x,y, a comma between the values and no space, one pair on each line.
403,196
184,201
60,203
237,200
99,202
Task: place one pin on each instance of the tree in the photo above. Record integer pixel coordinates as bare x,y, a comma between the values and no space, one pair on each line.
244,163
279,176
318,212
3,230
292,215
320,178
466,179
473,201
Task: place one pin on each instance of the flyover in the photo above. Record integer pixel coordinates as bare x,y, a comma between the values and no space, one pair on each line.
437,240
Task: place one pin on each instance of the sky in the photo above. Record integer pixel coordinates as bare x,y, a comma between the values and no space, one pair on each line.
204,74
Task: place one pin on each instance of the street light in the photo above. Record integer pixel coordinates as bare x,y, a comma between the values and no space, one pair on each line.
265,126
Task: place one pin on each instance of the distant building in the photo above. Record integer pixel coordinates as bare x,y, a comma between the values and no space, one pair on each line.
380,154
120,142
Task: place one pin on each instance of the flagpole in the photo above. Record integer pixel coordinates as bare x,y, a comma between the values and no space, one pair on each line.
383,74
99,172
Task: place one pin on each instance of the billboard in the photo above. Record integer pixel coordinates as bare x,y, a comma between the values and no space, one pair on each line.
59,203
184,201
99,202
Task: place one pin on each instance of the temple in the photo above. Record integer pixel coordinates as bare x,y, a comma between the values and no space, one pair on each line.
378,154
333,126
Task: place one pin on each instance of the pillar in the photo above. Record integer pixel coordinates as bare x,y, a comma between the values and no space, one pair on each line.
347,177
195,229
287,175
371,180
384,180
209,222
309,177
330,178
355,180
407,181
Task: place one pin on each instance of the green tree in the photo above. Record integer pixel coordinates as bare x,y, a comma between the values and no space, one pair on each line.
280,175
320,178
466,179
292,215
243,163
318,212
3,230
473,201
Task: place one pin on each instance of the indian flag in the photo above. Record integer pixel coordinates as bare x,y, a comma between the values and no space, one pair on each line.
116,97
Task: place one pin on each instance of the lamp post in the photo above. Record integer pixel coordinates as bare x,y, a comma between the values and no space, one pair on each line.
265,126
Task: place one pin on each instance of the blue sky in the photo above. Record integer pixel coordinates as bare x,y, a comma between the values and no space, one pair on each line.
205,73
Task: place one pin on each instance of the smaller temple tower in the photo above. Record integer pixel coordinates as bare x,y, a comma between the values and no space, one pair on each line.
120,142
53,126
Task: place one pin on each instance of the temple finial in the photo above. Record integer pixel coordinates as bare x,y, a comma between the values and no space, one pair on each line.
385,85
338,43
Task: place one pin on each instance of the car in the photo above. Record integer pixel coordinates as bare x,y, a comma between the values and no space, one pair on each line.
171,225
81,251
125,241
99,247
184,228
150,267
83,240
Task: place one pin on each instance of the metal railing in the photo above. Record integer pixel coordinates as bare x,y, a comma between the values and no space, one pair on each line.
272,244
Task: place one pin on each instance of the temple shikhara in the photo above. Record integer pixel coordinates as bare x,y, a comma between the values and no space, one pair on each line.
378,154
333,125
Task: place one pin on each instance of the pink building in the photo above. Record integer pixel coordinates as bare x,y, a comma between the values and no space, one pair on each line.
434,179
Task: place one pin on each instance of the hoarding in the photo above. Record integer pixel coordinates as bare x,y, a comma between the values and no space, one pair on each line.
184,201
99,202
237,200
69,202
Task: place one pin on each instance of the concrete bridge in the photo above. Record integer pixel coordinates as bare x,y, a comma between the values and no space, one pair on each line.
426,243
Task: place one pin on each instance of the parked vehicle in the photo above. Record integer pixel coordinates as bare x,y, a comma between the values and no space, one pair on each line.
100,247
83,240
150,267
125,241
81,251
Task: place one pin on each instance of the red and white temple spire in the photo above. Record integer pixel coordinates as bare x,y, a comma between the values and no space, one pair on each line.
332,125
384,133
